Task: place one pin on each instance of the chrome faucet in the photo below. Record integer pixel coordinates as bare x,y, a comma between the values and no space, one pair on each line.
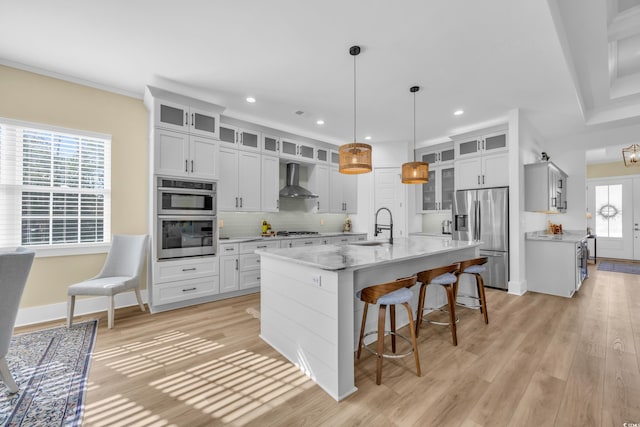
380,227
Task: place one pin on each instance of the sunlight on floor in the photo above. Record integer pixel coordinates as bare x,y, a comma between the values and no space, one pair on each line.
117,410
236,388
166,349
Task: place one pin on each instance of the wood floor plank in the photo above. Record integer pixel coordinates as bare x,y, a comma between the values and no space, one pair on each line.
539,404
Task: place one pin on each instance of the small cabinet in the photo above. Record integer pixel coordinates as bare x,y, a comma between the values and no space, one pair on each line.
475,146
181,280
229,272
179,154
439,156
437,194
482,172
239,185
322,155
342,192
545,188
242,138
185,118
270,145
294,150
249,261
270,184
319,183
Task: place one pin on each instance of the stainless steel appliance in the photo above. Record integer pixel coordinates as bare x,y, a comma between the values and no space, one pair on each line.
186,197
186,218
446,226
483,215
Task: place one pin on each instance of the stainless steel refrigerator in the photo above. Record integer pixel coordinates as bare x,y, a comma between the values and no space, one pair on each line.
483,215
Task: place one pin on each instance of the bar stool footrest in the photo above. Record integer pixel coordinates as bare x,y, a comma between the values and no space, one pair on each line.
473,297
389,355
433,322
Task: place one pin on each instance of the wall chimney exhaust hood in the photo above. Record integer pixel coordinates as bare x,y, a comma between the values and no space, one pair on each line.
292,187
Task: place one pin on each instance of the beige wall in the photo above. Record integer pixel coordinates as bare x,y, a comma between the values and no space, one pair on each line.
603,170
35,98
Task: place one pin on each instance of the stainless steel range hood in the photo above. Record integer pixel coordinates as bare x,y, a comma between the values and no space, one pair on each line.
292,187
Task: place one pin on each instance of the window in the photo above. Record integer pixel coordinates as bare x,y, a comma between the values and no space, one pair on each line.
55,186
608,210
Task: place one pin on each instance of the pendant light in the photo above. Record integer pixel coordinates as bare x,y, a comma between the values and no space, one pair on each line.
355,158
415,172
631,155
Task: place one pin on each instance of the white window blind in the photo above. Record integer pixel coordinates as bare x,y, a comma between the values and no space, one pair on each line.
55,186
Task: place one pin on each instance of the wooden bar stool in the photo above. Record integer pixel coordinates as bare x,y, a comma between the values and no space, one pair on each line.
445,277
388,294
474,266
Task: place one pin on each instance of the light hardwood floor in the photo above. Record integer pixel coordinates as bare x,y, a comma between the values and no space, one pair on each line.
541,361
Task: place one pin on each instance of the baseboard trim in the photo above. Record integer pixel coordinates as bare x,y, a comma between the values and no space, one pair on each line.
49,312
517,288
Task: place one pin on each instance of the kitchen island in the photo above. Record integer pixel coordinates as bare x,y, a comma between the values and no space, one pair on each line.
309,312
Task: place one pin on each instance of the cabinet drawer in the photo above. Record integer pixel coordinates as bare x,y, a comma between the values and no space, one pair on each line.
251,247
249,262
296,243
170,271
249,279
185,290
228,249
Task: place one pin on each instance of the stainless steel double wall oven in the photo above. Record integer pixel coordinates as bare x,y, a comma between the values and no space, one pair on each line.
186,218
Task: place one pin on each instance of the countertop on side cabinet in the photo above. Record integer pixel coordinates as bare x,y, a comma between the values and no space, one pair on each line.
338,257
569,236
422,233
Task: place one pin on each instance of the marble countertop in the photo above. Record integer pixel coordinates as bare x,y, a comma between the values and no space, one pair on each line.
569,236
359,254
307,236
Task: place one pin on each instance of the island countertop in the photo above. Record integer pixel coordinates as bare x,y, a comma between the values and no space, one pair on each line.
364,254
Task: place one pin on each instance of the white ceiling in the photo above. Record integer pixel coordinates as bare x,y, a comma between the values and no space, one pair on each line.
549,59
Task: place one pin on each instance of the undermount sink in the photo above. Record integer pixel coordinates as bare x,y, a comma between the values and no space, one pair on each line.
369,243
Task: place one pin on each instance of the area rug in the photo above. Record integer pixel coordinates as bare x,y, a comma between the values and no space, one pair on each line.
50,367
619,267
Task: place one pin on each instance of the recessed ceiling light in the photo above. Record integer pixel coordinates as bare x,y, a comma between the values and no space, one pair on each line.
367,138
458,112
320,122
251,99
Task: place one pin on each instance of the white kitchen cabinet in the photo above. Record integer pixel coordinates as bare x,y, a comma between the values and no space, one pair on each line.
478,145
553,267
294,150
250,262
229,273
180,113
180,154
442,154
243,139
437,194
342,192
270,145
270,184
484,171
545,188
239,184
181,280
322,155
319,184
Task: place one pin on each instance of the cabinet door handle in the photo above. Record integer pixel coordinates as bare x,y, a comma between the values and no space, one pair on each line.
308,243
478,179
560,183
189,289
186,118
236,202
277,145
482,179
236,137
193,120
186,165
260,247
318,202
240,201
565,205
189,269
191,165
258,260
278,203
237,264
554,201
228,249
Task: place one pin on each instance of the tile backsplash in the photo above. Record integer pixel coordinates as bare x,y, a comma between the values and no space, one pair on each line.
239,224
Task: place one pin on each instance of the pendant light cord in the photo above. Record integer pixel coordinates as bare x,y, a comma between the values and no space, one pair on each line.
354,98
414,126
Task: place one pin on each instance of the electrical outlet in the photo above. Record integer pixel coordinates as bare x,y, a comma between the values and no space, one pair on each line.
321,221
221,223
317,280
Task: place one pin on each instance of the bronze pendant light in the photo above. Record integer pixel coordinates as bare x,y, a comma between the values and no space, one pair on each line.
631,155
355,158
415,172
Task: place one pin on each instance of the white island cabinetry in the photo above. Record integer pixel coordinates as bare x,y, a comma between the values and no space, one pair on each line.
309,312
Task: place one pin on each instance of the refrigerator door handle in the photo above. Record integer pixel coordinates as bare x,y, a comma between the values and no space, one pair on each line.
479,220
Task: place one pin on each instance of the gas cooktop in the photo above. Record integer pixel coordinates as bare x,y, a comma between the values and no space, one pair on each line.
296,233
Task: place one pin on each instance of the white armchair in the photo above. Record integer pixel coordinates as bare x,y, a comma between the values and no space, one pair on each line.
14,270
121,272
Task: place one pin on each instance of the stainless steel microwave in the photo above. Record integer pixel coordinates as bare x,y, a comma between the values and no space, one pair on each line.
186,197
185,236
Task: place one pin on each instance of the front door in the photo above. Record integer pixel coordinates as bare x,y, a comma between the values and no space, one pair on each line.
611,204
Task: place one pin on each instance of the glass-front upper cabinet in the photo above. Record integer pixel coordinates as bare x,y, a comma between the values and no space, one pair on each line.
270,144
477,145
184,118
